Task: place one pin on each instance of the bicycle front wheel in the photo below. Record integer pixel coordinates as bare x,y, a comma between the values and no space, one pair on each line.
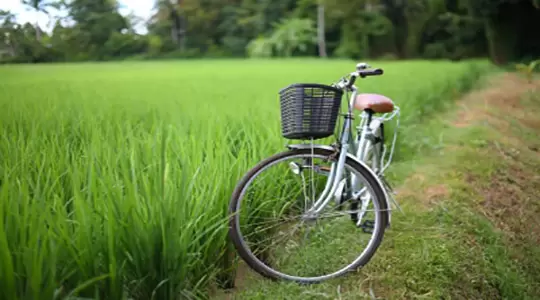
275,233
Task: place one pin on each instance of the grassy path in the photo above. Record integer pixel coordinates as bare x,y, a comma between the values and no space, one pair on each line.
471,226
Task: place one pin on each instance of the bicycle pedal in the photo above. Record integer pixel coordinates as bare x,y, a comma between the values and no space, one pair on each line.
367,226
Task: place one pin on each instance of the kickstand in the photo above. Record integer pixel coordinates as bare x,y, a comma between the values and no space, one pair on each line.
391,192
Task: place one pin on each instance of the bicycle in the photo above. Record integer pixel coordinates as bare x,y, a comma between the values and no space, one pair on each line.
353,179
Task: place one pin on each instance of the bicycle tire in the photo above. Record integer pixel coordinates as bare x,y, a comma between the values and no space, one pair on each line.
257,265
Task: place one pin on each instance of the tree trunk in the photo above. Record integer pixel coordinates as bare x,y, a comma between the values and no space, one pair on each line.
321,30
182,26
179,25
12,51
38,32
175,30
401,31
174,34
182,39
502,33
395,11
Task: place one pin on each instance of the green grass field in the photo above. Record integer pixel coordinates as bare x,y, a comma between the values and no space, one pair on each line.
115,177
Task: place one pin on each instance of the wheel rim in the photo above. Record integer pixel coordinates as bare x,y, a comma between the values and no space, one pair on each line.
305,264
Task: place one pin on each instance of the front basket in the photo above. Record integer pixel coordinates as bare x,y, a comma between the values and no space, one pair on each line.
309,111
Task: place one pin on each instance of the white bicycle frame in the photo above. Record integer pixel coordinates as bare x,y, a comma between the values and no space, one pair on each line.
356,149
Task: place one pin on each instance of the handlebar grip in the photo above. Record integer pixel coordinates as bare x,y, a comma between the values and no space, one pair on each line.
374,72
363,73
351,81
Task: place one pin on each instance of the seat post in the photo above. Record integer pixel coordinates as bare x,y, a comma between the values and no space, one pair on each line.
370,115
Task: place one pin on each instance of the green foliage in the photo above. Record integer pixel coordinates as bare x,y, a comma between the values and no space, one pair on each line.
289,37
293,35
452,29
489,8
260,47
418,13
357,23
355,35
528,69
452,35
124,44
98,20
155,44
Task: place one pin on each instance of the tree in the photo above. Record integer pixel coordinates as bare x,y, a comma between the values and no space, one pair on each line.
39,6
395,11
95,21
354,29
510,27
321,29
289,37
169,11
359,22
7,32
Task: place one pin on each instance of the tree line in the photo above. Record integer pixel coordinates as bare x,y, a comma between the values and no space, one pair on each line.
94,30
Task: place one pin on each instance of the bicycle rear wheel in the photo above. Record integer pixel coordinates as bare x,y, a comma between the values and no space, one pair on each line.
265,207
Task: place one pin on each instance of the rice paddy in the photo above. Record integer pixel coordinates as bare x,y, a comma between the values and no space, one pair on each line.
115,177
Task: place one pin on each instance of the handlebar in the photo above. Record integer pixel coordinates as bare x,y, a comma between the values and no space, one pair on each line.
374,72
362,72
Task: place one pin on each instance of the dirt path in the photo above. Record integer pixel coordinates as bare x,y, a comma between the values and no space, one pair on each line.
491,168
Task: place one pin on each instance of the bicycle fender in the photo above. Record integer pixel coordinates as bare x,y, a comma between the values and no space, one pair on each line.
364,165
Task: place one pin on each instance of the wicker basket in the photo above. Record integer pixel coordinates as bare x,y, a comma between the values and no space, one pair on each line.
309,111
